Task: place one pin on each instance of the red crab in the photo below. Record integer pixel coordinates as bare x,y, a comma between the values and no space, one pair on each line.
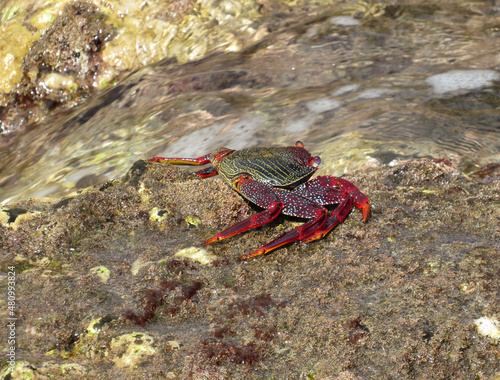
277,179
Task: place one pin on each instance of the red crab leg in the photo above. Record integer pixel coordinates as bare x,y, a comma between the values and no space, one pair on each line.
336,217
207,172
300,233
183,161
204,173
295,205
260,194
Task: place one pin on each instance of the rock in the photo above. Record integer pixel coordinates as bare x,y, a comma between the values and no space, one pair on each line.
377,298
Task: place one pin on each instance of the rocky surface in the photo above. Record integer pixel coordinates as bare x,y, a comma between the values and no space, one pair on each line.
57,53
113,280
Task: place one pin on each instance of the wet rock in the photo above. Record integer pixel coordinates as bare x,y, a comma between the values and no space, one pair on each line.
57,53
64,60
132,349
373,300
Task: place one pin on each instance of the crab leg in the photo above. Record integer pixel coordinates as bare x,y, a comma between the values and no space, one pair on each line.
256,220
295,205
204,173
336,217
323,190
300,233
207,172
260,194
183,161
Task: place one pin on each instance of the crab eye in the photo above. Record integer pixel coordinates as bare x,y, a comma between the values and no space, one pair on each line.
314,161
299,144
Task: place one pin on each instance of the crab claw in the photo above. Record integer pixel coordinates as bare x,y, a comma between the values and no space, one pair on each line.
359,200
365,209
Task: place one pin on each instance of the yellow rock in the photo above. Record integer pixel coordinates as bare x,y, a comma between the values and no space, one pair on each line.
488,327
102,272
197,254
133,348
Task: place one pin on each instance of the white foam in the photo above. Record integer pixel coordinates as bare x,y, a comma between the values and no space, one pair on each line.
345,89
322,105
373,93
462,79
300,125
344,21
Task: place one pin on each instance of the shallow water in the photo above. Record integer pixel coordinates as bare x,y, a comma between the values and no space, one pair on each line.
409,81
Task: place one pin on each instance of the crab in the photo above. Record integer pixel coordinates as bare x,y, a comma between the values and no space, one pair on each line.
277,179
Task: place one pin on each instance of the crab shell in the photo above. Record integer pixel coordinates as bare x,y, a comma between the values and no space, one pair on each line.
284,167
